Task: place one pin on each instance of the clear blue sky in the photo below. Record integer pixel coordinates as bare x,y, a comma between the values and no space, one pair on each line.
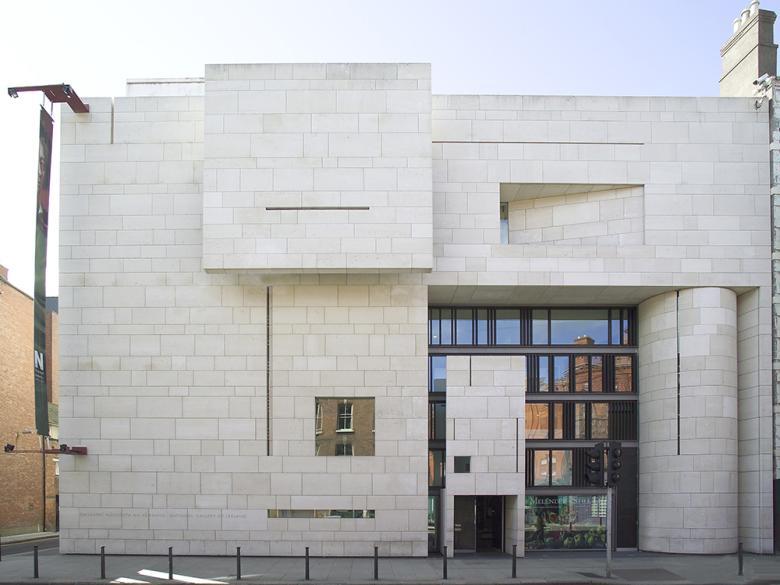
596,47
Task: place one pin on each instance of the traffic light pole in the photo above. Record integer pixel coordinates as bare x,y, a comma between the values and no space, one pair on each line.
609,532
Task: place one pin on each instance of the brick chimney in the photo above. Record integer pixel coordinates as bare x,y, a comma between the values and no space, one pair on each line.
749,53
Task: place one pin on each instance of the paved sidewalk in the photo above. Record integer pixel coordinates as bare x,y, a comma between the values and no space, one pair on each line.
569,568
26,537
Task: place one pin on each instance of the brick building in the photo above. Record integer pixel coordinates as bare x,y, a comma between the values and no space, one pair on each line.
21,474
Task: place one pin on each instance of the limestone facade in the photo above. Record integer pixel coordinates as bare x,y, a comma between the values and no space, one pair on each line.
199,326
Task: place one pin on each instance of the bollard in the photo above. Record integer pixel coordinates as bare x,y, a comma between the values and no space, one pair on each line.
740,558
238,563
35,562
444,564
102,562
170,563
376,563
514,561
307,563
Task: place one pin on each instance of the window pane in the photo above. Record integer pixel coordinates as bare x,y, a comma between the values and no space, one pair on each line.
438,373
581,373
436,468
580,424
437,423
596,373
599,417
435,339
565,522
446,326
625,337
561,373
482,327
558,421
433,522
462,464
541,468
624,373
581,327
537,420
343,426
463,323
539,332
508,326
544,373
561,467
614,326
504,220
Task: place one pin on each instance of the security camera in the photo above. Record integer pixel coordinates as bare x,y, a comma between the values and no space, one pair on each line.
762,80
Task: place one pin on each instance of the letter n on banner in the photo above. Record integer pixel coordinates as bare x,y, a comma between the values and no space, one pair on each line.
41,234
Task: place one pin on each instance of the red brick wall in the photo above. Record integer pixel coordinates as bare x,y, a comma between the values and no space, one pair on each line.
21,474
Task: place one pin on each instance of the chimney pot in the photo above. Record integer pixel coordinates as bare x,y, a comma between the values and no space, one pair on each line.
753,8
744,16
3,272
736,25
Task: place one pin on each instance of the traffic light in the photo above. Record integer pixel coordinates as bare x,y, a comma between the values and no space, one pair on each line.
614,453
594,467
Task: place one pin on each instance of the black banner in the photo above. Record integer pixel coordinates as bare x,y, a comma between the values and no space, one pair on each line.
41,234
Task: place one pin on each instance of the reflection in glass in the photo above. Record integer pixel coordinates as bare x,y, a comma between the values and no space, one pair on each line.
596,373
541,468
434,326
561,373
504,222
437,421
446,327
565,522
599,420
438,373
539,333
344,426
436,468
579,326
537,420
614,326
462,464
558,420
624,373
560,464
508,326
353,514
463,331
581,373
433,523
482,326
580,424
544,373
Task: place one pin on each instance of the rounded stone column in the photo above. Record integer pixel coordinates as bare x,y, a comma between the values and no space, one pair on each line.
688,498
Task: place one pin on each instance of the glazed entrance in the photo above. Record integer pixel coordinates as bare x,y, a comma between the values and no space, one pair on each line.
479,523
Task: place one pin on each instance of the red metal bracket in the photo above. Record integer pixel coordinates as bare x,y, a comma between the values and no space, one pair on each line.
56,94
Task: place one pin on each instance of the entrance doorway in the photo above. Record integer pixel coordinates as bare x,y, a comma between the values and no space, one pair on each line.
479,523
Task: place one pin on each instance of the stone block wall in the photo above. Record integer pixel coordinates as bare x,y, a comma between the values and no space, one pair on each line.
317,168
688,420
486,422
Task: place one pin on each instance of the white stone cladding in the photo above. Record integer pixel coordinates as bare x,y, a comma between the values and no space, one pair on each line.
485,421
164,282
317,168
612,217
688,471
